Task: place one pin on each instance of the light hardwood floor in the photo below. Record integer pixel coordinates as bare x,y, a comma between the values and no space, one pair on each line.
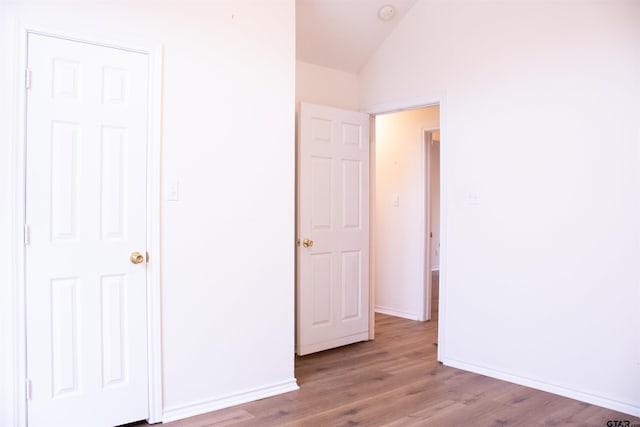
395,380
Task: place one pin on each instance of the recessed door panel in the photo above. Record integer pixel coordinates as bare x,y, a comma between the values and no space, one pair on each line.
321,175
114,330
321,268
66,74
65,357
113,179
64,180
351,197
114,85
352,134
321,131
351,285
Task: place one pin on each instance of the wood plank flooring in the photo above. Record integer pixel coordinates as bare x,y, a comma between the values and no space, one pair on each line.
395,380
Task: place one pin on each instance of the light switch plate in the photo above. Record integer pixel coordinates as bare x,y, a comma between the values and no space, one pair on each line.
472,198
172,191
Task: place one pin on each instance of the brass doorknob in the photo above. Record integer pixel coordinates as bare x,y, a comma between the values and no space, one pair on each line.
307,243
136,258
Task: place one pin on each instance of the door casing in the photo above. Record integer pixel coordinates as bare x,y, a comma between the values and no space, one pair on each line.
17,342
425,308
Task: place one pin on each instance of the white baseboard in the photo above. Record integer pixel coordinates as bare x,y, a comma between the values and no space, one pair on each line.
392,312
202,407
624,407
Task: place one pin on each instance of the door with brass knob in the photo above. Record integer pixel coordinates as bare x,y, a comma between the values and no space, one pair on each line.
333,228
85,153
136,258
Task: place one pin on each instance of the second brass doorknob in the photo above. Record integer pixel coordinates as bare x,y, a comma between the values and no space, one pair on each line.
307,243
136,258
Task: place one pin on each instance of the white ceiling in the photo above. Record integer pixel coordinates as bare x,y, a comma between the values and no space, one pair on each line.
342,34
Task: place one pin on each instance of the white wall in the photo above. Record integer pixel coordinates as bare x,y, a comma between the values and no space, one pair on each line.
228,138
326,86
399,230
541,118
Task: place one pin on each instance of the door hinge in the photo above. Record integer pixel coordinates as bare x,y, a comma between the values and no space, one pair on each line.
27,389
27,235
27,78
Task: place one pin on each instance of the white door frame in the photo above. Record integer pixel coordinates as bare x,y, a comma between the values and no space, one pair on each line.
426,292
424,312
372,226
17,342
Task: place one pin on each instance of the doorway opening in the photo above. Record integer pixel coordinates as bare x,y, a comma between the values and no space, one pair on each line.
406,208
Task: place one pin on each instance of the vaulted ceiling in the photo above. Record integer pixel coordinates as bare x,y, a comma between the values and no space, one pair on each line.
342,34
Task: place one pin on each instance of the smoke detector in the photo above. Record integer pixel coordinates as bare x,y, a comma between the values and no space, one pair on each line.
386,13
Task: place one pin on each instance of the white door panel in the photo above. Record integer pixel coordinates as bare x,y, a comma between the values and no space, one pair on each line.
333,212
86,212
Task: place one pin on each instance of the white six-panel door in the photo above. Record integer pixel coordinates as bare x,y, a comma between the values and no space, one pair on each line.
333,228
85,214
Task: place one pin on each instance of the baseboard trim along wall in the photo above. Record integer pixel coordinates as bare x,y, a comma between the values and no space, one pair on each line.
397,313
202,407
593,399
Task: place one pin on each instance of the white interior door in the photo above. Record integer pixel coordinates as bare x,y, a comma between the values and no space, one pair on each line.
85,215
333,228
